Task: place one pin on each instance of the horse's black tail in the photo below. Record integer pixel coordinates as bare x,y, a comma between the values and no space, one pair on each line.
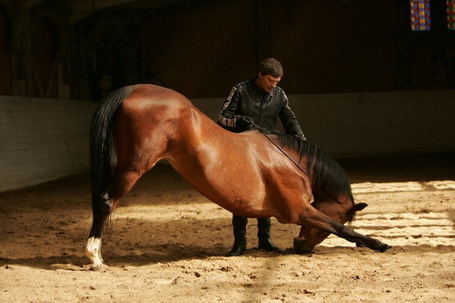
100,141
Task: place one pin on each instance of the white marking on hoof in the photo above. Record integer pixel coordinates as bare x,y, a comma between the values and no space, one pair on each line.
93,252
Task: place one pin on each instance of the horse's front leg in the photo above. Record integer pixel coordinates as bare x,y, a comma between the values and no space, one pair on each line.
361,240
308,238
311,217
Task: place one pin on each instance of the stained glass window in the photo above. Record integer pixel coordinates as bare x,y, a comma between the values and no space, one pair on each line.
421,15
451,14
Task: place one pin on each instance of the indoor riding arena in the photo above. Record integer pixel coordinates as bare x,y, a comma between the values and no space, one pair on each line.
372,83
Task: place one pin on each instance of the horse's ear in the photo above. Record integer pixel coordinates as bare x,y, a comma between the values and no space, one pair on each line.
359,207
354,209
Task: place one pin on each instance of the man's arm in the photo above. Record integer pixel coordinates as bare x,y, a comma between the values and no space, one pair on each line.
226,117
290,123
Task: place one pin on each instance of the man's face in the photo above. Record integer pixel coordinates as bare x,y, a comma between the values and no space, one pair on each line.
267,82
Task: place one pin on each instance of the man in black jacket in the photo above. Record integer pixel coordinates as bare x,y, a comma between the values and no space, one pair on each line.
259,101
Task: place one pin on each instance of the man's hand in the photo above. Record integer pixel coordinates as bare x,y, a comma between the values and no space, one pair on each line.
245,123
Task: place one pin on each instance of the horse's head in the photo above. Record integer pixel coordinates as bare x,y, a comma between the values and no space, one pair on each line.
309,236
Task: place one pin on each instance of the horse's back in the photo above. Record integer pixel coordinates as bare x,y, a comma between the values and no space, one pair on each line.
150,104
143,94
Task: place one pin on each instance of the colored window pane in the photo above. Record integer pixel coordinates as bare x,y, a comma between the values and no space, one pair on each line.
420,15
451,14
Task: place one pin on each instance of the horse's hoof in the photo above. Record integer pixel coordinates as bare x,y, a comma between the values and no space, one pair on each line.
100,267
385,248
301,246
305,252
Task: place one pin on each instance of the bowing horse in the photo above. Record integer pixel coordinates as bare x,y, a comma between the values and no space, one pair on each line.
251,174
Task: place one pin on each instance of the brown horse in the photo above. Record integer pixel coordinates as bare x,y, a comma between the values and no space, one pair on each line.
242,172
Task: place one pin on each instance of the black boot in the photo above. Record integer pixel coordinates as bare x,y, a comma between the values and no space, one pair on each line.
265,242
239,227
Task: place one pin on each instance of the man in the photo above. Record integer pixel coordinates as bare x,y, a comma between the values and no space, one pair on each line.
259,101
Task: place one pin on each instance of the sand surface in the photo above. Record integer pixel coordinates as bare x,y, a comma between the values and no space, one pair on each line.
167,243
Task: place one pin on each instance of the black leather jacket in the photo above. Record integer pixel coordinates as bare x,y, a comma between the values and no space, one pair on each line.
247,99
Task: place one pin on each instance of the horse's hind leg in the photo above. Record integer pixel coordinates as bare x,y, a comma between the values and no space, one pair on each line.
103,206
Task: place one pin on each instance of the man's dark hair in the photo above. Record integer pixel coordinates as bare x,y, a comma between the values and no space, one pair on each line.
271,66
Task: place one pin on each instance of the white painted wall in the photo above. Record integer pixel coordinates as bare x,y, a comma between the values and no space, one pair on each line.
44,139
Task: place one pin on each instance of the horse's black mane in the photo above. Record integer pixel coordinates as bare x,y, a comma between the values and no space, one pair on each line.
329,179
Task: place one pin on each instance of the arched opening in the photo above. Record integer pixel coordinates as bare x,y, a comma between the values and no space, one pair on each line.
45,56
111,59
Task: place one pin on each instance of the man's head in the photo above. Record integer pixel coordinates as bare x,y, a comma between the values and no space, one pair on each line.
270,73
271,66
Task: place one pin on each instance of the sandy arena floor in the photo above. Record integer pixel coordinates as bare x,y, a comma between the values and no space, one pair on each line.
167,243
